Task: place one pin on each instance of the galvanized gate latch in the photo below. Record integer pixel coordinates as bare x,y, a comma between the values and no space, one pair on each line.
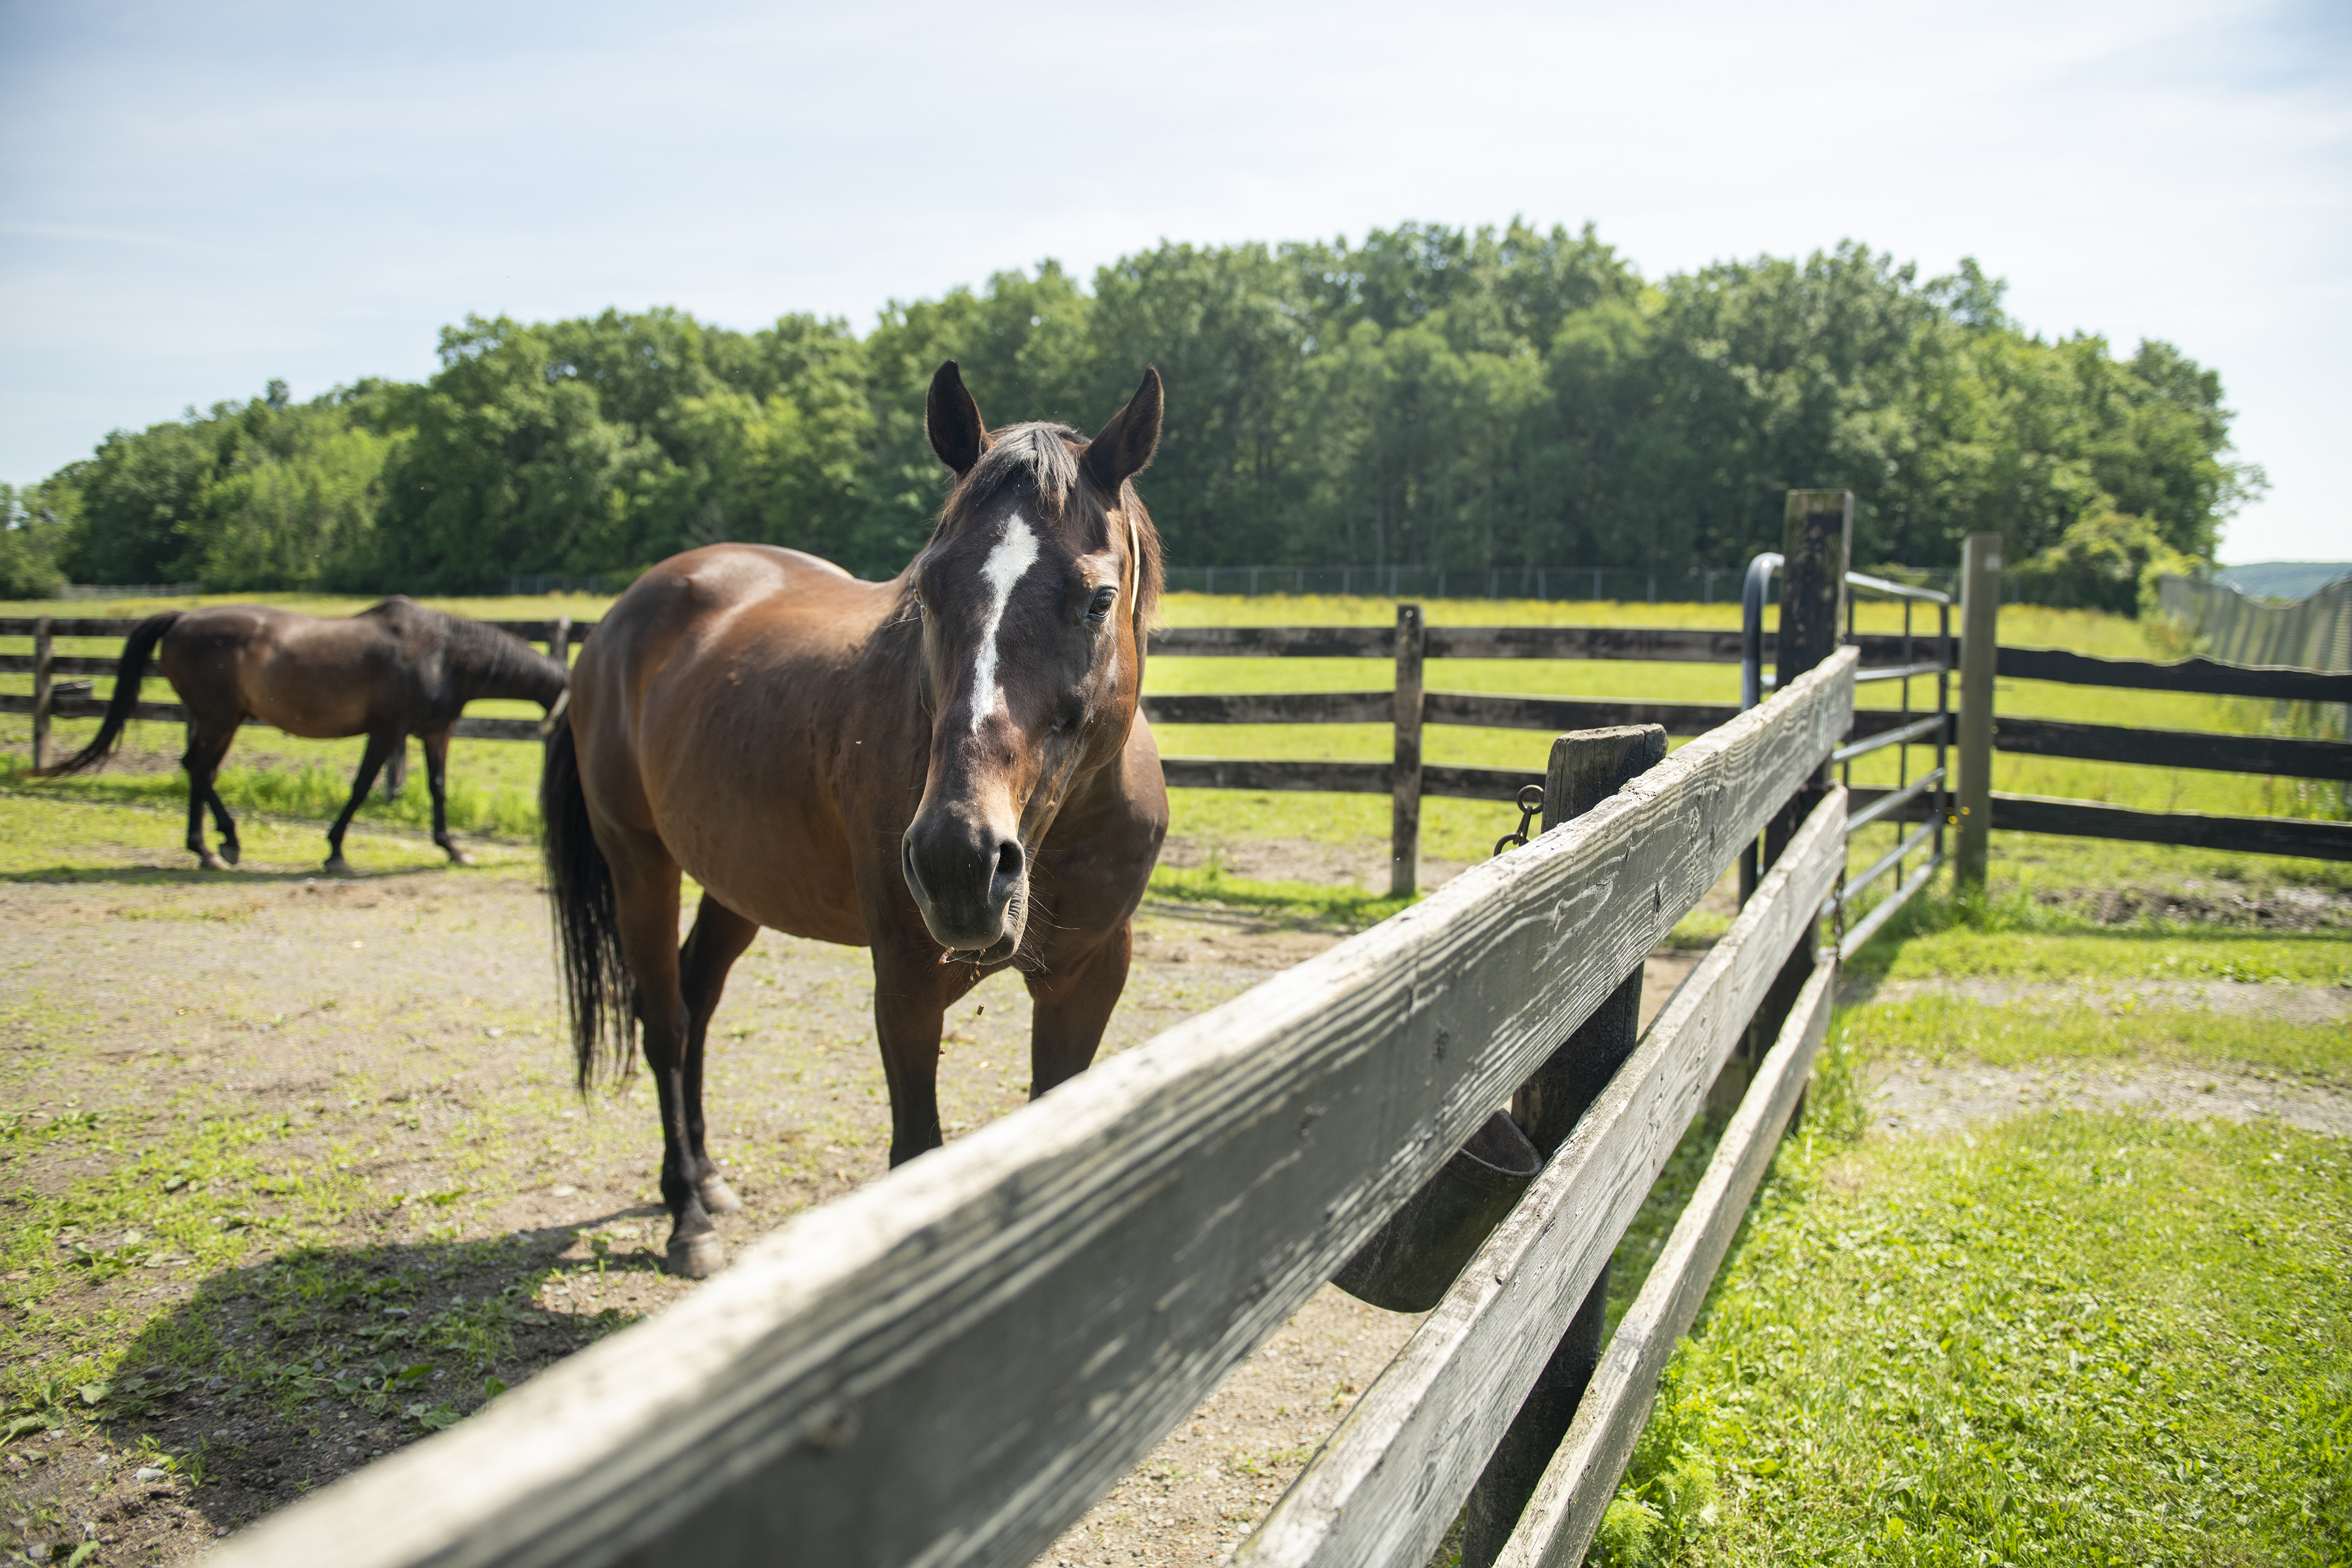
1530,807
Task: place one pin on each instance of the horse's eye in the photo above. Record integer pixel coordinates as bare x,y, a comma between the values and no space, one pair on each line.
1103,599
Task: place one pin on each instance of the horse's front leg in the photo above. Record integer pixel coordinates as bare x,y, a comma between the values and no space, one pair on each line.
437,779
1072,1006
718,940
379,746
912,992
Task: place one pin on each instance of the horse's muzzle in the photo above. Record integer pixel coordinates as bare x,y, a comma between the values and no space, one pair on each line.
969,882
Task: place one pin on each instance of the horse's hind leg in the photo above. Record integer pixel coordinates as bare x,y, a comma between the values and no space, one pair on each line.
718,940
379,746
645,897
206,747
437,777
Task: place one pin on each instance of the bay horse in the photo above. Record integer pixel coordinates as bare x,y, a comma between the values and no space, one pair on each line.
948,768
393,670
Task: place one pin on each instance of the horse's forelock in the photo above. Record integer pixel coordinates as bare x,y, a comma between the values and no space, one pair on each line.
1035,455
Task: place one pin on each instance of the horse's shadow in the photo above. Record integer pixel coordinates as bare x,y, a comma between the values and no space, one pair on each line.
276,1378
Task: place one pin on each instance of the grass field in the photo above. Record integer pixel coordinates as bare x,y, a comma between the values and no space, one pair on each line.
2060,1338
493,783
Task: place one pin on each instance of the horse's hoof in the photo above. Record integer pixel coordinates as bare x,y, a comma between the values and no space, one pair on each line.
231,853
696,1257
211,862
718,1197
458,856
337,866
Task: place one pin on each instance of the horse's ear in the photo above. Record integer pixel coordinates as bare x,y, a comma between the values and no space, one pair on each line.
951,419
1122,449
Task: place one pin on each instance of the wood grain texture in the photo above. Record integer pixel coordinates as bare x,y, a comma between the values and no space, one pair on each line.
2208,676
951,1364
1385,1486
1559,1521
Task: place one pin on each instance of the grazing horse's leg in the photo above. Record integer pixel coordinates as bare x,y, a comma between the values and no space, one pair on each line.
379,746
437,777
230,851
911,991
718,940
645,902
206,747
1072,1006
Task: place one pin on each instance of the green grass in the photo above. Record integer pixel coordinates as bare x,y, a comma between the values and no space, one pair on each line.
49,839
1310,903
2064,1340
1943,1029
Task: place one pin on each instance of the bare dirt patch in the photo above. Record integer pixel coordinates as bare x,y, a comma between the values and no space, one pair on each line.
1924,1097
2211,902
2237,998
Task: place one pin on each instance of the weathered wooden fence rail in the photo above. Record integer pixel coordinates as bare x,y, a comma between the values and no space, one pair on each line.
951,1364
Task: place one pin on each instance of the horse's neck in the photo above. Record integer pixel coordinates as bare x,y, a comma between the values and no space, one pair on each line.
534,679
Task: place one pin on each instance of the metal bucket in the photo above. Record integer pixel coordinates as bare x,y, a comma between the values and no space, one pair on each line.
1411,1261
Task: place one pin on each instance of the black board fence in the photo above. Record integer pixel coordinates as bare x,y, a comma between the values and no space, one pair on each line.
1406,779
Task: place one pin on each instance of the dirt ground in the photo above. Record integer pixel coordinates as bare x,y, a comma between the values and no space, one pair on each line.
438,1204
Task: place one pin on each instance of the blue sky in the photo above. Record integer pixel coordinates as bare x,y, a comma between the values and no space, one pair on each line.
195,199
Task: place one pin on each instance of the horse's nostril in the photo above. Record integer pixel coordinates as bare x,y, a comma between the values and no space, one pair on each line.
1008,860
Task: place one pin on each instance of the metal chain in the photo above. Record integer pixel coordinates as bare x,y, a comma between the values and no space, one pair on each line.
1530,807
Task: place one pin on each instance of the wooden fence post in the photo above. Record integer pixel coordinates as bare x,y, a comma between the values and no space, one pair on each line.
1404,826
42,662
1816,547
1979,656
559,642
1587,767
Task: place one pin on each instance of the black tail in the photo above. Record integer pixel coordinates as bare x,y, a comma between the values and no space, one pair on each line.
596,985
127,675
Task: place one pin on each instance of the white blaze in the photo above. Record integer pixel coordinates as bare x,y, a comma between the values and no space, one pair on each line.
1006,564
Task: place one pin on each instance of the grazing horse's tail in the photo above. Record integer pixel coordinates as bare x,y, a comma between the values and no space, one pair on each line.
127,675
596,985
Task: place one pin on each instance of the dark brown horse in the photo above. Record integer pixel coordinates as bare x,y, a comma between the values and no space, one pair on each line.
948,767
394,670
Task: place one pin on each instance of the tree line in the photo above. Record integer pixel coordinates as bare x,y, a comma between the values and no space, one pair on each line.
1430,396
